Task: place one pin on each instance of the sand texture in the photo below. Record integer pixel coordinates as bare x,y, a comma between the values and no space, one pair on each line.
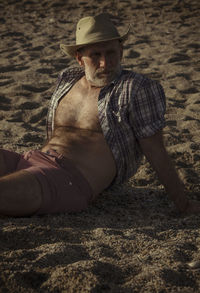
130,240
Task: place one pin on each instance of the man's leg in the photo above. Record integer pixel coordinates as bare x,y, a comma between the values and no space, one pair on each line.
8,161
2,164
20,194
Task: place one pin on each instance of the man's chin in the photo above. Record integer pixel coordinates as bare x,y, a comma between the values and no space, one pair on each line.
100,82
105,79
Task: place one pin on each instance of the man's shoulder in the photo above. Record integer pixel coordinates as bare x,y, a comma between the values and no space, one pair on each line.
135,77
138,81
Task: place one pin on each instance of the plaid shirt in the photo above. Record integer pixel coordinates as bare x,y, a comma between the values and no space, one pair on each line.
130,107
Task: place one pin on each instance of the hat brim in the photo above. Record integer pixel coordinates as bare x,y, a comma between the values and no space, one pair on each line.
70,50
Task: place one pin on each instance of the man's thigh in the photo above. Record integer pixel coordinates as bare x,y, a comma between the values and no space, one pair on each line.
64,189
44,183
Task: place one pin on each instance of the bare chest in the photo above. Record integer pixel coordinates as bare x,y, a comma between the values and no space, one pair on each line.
79,109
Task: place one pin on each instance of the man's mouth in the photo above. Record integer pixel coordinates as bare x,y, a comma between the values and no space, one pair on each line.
105,73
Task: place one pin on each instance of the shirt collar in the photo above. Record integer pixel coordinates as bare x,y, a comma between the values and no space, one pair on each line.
114,81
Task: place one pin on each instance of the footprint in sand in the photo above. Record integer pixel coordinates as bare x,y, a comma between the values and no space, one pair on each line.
31,279
11,68
192,90
36,118
7,82
133,54
34,52
178,57
35,49
29,138
45,70
29,105
34,89
16,117
13,34
5,103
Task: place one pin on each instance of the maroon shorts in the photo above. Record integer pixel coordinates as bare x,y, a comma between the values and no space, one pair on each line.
64,189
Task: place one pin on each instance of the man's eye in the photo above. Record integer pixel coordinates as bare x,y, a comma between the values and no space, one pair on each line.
96,54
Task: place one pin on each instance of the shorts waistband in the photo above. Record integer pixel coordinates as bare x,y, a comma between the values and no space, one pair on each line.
66,163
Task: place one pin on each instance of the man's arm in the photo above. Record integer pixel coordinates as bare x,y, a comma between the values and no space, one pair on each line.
154,150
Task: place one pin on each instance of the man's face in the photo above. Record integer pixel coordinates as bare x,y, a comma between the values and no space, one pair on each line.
101,62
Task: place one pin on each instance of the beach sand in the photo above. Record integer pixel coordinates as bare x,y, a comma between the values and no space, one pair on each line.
130,239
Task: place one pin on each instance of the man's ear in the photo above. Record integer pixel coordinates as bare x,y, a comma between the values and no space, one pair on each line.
79,58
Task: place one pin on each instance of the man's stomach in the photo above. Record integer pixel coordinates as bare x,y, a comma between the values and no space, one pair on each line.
89,152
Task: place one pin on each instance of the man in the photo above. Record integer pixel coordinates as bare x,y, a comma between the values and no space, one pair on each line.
100,121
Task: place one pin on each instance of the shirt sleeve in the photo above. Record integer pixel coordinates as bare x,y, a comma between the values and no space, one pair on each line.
50,114
147,109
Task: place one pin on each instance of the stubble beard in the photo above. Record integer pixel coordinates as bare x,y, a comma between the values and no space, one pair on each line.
102,77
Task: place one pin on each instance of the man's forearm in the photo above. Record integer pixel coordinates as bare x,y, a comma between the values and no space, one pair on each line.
170,179
157,155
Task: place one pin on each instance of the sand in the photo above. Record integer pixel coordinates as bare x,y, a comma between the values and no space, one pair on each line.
130,239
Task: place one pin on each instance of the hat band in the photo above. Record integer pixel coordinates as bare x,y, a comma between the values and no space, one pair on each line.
95,37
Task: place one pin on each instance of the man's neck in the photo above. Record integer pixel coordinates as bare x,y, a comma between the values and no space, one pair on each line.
89,85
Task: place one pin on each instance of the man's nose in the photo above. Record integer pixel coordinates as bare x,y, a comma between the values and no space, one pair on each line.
103,61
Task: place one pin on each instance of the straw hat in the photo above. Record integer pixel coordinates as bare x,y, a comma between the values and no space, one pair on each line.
91,30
